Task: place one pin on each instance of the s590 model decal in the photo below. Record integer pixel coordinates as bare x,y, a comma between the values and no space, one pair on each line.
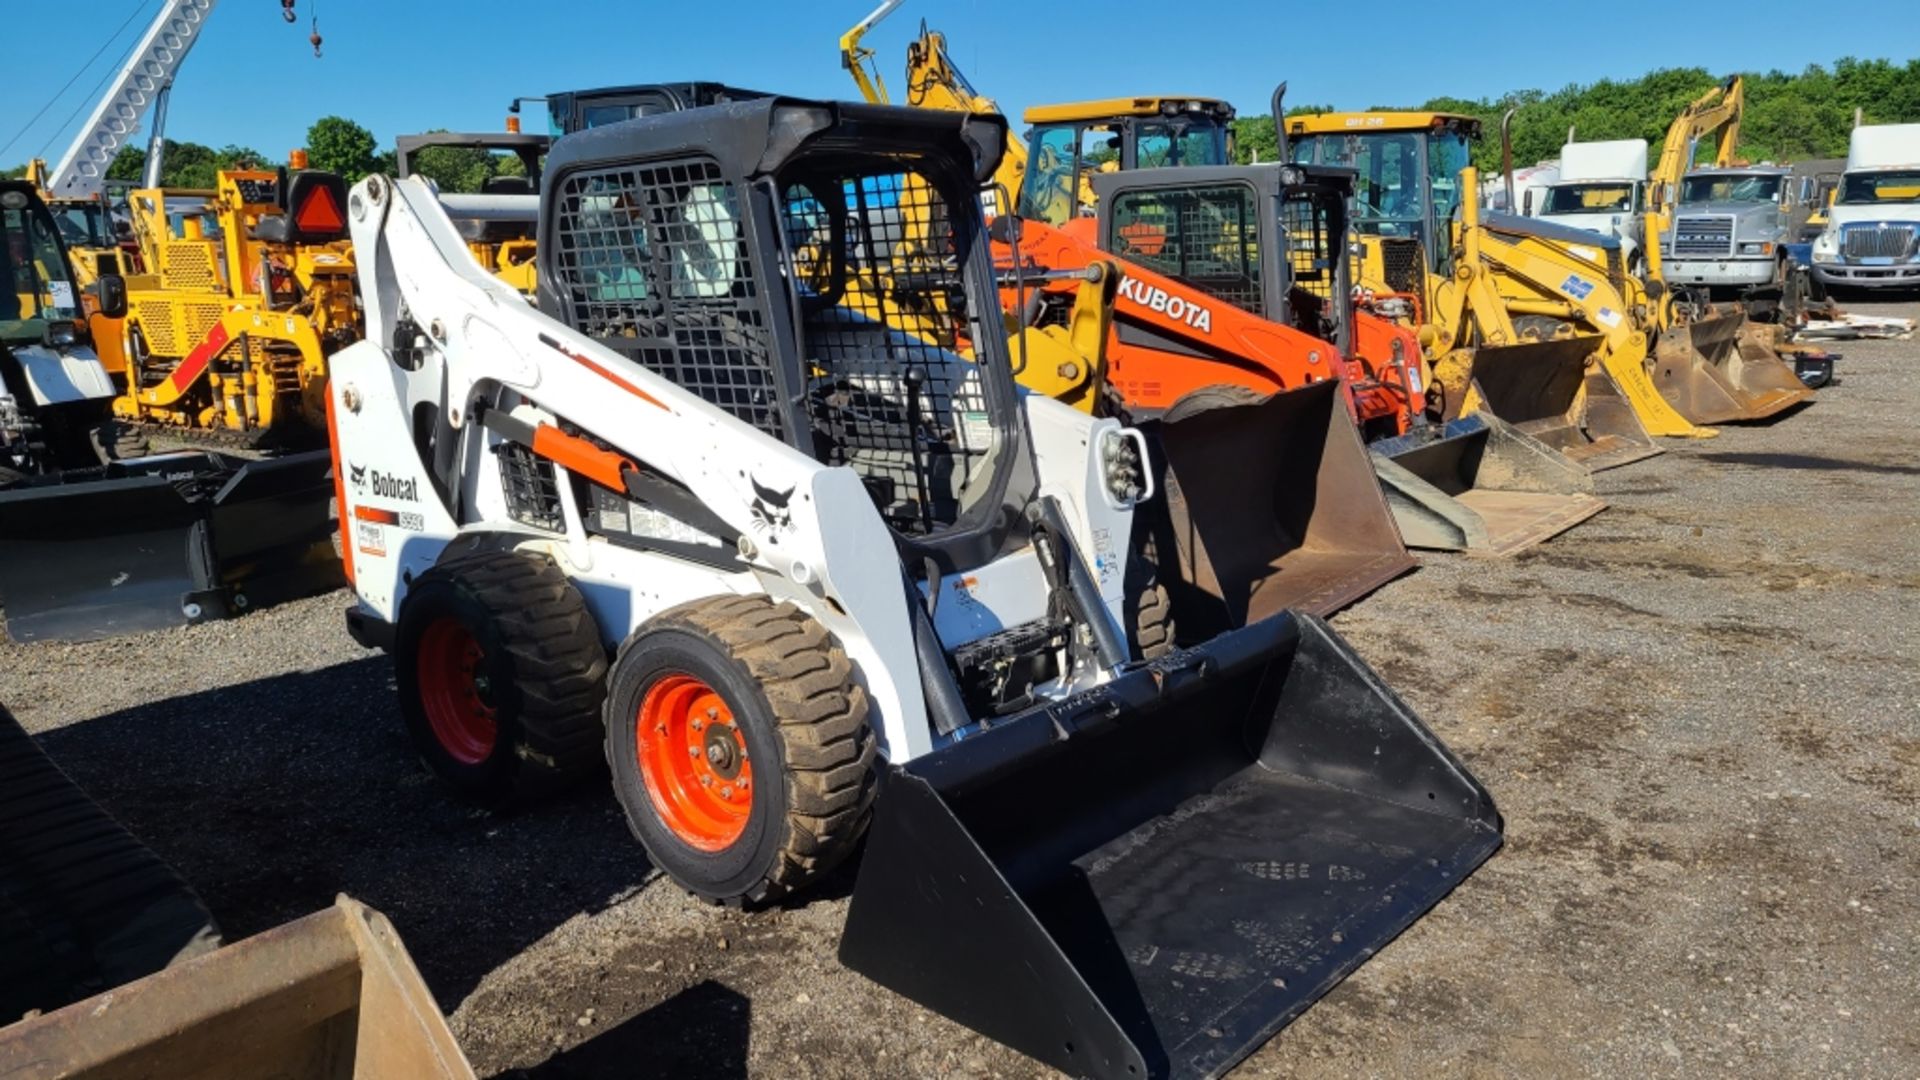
1156,299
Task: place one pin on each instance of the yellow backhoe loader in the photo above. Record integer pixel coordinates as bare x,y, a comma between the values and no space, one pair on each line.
1540,325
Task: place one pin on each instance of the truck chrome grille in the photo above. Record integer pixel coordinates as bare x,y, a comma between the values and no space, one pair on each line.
1877,241
1703,234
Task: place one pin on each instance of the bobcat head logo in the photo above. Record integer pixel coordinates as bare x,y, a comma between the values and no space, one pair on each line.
770,512
358,474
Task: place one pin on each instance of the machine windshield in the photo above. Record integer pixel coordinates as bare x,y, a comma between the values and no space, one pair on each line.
1730,189
84,225
1181,142
37,286
1893,185
1589,199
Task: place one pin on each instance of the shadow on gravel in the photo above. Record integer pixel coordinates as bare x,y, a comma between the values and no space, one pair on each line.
701,1031
1808,461
272,796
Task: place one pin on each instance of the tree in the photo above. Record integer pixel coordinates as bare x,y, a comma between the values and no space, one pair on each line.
339,145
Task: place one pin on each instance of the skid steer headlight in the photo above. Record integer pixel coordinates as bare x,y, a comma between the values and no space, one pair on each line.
1122,461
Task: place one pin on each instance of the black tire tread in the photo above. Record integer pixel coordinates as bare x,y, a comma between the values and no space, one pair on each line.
559,665
822,713
84,906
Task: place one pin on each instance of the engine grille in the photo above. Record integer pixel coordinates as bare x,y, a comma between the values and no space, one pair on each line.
1401,262
1877,241
188,265
1703,234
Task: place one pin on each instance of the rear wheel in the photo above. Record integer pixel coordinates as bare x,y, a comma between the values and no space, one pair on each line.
117,440
501,674
740,747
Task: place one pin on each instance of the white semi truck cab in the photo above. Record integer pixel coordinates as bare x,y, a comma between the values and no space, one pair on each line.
1602,188
1872,238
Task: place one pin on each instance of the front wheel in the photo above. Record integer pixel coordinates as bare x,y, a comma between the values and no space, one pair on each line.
740,747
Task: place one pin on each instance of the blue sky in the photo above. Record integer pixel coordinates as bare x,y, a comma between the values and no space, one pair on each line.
402,66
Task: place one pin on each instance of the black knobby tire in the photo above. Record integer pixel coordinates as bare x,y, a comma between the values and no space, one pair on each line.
1148,607
116,440
794,706
84,906
541,670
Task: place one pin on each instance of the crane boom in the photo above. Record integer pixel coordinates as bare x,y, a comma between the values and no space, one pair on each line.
142,82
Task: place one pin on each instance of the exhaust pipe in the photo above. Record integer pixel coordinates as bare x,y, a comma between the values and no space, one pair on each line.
1279,123
1153,878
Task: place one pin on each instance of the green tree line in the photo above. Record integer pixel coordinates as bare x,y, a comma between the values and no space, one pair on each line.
1788,117
334,143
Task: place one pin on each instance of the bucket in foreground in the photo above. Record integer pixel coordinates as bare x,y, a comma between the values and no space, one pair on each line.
1549,391
333,996
1270,505
1478,484
163,541
1153,878
1719,370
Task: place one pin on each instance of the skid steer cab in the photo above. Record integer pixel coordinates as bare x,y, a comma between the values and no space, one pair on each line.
729,516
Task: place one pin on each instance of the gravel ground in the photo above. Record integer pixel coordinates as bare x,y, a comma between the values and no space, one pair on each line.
1700,714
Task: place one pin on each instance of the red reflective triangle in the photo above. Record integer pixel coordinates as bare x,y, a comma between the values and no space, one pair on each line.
319,213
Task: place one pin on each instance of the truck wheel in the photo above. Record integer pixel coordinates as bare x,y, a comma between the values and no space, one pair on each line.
501,674
740,747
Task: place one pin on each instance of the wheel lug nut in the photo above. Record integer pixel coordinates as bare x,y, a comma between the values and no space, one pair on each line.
713,713
693,751
697,725
726,792
706,781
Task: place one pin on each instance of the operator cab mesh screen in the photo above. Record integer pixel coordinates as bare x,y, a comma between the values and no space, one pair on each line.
1314,238
876,261
653,262
1207,237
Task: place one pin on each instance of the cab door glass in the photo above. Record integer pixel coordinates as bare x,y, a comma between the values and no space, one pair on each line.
1047,193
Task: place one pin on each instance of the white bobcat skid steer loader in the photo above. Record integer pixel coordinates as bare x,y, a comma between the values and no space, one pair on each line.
708,512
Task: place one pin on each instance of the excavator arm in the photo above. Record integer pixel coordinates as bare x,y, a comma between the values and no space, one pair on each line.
1714,114
933,82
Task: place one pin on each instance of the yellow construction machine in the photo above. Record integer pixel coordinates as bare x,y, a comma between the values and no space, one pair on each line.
496,171
1713,364
248,288
1539,324
1049,175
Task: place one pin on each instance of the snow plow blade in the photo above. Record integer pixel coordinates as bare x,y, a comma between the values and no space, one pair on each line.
1478,485
1537,387
163,541
1153,878
1719,370
1270,506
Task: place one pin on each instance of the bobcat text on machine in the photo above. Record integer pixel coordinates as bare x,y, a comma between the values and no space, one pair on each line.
645,522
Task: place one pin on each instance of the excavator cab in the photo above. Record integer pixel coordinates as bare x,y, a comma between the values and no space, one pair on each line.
1071,143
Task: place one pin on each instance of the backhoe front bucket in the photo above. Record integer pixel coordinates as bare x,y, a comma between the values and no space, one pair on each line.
1538,388
1478,485
1269,506
1153,878
1715,370
162,541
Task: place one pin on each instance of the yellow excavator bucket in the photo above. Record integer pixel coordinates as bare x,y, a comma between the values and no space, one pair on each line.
1720,369
1552,391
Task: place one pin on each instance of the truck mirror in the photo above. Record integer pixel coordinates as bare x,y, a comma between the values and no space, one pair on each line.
113,296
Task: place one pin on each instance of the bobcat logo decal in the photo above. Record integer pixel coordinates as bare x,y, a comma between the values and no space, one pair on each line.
358,474
770,512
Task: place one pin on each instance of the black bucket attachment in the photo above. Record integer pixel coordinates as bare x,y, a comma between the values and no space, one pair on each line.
1537,387
1717,370
1477,484
1153,878
1270,505
161,541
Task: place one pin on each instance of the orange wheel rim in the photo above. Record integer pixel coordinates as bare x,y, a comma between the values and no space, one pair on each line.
455,693
693,760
